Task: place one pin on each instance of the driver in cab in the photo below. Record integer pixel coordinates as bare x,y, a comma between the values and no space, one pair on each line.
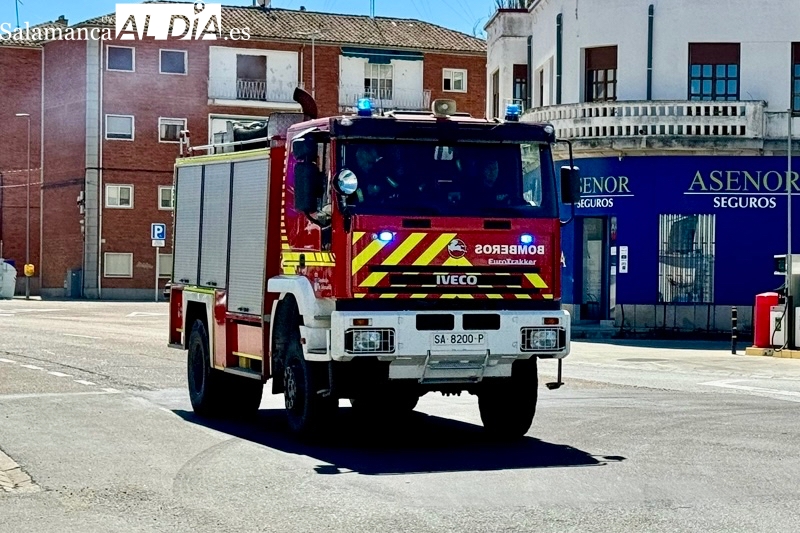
374,175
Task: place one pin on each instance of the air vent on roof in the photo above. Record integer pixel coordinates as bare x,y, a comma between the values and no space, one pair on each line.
262,3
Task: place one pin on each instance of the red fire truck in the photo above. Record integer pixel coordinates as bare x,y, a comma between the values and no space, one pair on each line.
374,257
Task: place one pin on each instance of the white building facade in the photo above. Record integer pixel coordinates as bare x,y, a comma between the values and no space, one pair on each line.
678,111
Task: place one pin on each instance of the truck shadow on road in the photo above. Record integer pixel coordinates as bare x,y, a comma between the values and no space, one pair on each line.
418,444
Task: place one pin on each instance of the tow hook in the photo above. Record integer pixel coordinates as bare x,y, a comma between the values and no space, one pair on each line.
558,383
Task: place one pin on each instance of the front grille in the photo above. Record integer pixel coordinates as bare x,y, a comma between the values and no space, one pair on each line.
543,339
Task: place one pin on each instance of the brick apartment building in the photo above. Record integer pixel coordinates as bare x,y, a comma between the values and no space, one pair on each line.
21,90
113,111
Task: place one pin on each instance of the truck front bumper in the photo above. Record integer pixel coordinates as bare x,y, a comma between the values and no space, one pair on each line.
449,346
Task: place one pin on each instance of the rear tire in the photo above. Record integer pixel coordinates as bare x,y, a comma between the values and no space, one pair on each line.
508,405
206,384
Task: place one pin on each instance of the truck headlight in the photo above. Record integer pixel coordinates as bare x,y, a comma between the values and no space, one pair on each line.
369,341
542,339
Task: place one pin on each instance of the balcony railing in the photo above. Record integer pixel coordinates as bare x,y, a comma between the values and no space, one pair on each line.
249,90
401,99
666,118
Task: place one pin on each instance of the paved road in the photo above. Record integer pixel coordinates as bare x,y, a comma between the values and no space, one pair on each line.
97,435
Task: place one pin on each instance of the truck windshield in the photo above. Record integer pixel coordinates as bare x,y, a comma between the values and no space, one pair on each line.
429,179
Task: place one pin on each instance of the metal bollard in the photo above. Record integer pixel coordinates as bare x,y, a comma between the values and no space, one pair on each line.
734,329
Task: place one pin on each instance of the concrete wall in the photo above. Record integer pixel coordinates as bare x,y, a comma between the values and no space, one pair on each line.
682,318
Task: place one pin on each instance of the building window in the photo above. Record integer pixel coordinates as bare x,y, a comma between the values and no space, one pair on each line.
165,265
496,94
172,62
541,88
378,81
714,71
119,127
119,196
117,265
169,129
686,258
454,80
601,74
520,84
120,58
251,77
796,77
166,197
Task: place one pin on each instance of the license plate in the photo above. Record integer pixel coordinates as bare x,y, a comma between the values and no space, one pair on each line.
459,339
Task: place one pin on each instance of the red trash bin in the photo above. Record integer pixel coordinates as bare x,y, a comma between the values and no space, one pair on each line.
761,322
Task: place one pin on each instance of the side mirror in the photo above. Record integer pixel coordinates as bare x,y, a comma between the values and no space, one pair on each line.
307,187
346,183
570,185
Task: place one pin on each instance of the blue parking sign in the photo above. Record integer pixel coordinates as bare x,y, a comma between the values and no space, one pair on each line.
158,232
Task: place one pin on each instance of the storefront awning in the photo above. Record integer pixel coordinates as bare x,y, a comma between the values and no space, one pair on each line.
382,56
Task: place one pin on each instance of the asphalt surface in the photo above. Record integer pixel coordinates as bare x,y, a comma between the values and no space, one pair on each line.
659,437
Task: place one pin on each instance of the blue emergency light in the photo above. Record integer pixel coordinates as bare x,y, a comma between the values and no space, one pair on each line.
526,239
513,112
364,107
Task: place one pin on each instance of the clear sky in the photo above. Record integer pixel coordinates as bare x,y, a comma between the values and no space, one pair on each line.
468,16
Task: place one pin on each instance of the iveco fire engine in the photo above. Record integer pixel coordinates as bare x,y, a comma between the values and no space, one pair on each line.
373,257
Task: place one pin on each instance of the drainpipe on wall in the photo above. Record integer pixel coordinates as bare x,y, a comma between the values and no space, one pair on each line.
529,95
41,182
650,19
100,192
559,48
1,215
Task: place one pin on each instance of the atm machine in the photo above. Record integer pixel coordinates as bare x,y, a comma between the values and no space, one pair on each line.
786,316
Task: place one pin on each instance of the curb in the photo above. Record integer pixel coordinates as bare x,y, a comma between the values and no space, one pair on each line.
13,478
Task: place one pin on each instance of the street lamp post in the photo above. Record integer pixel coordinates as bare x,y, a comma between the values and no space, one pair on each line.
28,212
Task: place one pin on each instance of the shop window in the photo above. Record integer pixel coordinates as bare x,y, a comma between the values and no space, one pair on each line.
714,71
796,77
686,258
601,74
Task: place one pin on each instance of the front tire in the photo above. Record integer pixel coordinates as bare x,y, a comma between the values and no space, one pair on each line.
508,405
308,412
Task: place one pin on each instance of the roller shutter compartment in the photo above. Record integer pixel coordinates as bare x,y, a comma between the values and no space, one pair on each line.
248,237
188,196
216,209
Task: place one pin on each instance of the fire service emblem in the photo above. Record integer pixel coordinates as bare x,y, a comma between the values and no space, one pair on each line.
457,249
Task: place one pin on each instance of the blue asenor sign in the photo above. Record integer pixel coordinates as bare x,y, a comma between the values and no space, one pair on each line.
738,221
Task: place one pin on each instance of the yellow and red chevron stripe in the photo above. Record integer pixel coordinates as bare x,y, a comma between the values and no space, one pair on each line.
375,262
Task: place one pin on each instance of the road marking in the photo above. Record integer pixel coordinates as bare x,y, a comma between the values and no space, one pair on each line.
5,315
81,336
111,391
8,361
84,382
18,311
791,396
138,314
54,395
59,374
32,367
